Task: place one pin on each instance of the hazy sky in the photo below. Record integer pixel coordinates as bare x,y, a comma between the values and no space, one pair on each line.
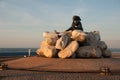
22,22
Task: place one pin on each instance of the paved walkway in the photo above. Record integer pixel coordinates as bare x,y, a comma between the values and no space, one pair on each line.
39,68
64,65
34,75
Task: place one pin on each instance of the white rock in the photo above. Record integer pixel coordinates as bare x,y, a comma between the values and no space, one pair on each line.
39,52
41,49
62,42
69,50
46,50
78,35
50,37
69,33
50,41
43,43
49,51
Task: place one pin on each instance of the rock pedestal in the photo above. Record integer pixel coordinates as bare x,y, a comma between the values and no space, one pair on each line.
73,44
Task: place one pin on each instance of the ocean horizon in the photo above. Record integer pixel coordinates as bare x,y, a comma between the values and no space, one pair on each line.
25,51
17,51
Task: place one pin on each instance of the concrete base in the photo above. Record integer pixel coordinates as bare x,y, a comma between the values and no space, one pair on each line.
64,65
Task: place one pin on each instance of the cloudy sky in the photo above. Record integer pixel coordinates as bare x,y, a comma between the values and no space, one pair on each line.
22,22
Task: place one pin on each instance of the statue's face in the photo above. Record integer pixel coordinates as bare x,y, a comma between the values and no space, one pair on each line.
76,22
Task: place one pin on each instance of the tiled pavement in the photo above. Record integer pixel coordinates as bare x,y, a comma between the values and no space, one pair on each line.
34,75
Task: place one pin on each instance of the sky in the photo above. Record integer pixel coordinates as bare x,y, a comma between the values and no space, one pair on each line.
22,22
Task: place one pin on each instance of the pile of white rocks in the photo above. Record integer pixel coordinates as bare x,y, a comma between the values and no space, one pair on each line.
73,44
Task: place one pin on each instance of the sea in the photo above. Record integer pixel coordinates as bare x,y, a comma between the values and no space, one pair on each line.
17,51
32,51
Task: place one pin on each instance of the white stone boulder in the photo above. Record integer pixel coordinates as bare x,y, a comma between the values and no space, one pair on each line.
78,35
62,42
49,51
69,33
39,52
69,50
50,37
41,49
